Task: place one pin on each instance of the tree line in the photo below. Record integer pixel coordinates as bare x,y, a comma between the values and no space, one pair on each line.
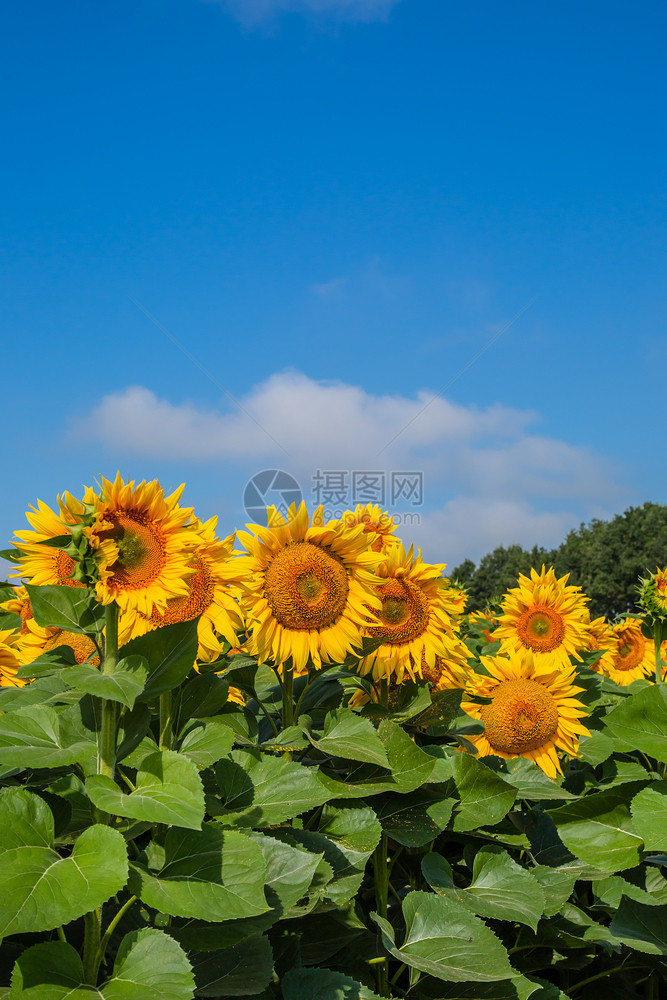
605,558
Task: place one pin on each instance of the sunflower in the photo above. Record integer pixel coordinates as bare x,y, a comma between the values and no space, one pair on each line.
630,654
601,639
37,640
546,616
143,542
533,709
416,618
41,564
375,521
653,594
451,671
306,589
208,597
9,660
20,605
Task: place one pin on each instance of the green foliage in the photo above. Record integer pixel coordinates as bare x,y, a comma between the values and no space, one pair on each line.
159,841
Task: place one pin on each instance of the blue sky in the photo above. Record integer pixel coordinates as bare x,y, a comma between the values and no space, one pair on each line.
332,206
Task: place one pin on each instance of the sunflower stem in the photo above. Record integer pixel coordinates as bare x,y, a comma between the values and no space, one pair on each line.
657,645
166,721
288,693
381,873
92,923
112,927
106,760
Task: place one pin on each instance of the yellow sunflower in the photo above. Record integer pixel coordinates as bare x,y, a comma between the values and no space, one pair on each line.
416,618
630,654
306,589
208,597
451,671
375,521
545,615
9,660
37,640
533,709
653,594
143,542
40,564
601,639
19,604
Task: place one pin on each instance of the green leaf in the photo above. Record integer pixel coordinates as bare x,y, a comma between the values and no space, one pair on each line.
150,966
347,734
204,743
260,790
446,941
597,747
170,653
168,790
485,797
323,984
37,736
641,927
599,829
640,722
71,608
557,885
500,888
414,819
208,874
46,691
518,988
355,832
289,870
649,815
124,685
530,780
290,739
410,768
242,970
39,889
444,708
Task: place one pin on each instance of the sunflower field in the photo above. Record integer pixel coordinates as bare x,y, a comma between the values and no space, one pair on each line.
286,764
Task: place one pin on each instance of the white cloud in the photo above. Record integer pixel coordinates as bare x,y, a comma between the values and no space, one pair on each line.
489,478
252,12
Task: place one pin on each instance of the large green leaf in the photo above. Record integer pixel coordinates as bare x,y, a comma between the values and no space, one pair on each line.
410,768
149,965
243,970
168,790
124,685
39,889
485,797
209,874
205,742
557,885
323,984
446,941
356,833
414,819
347,734
260,790
170,653
500,888
289,870
599,829
641,927
71,608
530,780
38,736
649,815
640,722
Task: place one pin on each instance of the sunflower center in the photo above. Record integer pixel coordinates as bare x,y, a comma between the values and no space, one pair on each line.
64,567
629,652
141,549
200,595
541,628
306,586
404,613
522,716
81,644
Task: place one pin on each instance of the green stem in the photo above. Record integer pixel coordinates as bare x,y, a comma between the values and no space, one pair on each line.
166,722
657,642
381,874
61,934
112,927
301,697
106,761
266,713
599,975
288,694
91,945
